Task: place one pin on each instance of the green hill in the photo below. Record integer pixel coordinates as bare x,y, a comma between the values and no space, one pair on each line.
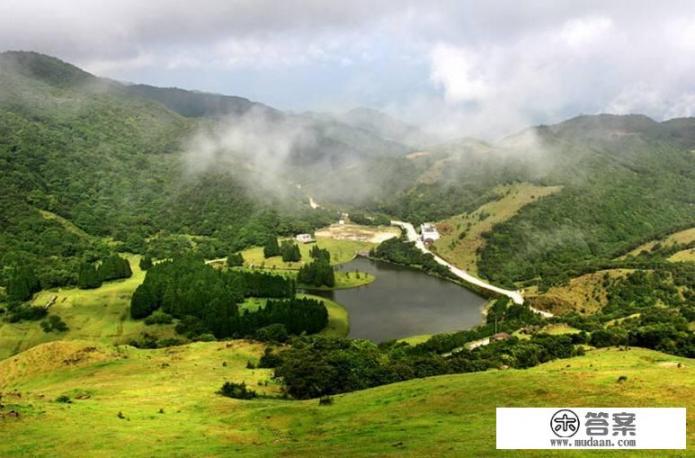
163,402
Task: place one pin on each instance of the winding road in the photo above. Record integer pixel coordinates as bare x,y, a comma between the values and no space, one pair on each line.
515,296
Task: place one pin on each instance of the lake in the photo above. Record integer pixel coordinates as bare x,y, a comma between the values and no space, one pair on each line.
404,302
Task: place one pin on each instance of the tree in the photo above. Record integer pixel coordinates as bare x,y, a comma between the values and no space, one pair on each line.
145,262
271,247
317,273
114,267
88,277
290,251
142,304
235,260
22,284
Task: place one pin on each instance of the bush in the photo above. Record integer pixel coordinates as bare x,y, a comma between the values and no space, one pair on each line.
235,260
145,263
25,312
64,399
276,332
159,317
236,391
54,323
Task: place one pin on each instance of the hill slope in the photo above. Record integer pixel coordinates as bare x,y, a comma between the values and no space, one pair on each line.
448,415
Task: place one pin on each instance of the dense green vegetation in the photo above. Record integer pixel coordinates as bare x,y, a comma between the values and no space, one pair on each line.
100,162
319,272
400,251
206,301
318,366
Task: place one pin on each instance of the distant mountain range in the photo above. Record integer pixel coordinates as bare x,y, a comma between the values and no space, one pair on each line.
115,160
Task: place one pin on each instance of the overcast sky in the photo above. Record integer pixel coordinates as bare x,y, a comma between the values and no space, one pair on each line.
462,68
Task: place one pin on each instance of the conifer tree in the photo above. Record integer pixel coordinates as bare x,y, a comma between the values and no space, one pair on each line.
271,247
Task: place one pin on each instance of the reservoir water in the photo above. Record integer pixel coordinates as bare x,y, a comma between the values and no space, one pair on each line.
403,302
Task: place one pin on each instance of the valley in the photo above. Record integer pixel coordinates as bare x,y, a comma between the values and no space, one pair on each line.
187,273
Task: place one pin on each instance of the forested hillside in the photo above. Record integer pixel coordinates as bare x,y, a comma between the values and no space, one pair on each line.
88,160
109,165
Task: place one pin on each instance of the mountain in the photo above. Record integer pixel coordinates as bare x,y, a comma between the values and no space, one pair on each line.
115,160
114,165
193,104
386,127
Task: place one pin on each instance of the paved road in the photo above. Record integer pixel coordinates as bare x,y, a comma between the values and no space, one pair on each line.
515,296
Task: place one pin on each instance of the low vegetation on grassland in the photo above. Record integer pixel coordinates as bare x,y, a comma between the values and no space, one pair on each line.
168,403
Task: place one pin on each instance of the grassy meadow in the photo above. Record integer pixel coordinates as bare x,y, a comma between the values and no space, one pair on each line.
342,251
98,315
102,315
168,404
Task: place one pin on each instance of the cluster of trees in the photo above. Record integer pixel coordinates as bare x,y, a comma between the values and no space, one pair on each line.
206,300
22,284
112,267
146,262
377,219
271,247
290,251
319,366
287,249
235,260
400,251
319,272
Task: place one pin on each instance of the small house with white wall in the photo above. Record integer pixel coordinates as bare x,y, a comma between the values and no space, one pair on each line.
429,233
305,238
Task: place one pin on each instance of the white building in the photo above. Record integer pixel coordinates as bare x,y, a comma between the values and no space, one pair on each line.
304,238
428,233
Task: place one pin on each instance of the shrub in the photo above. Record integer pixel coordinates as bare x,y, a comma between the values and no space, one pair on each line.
54,324
276,332
159,317
236,391
64,399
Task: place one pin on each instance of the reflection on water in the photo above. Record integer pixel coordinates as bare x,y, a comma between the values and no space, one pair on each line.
402,302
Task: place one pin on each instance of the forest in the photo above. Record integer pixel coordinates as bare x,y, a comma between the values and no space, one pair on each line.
207,301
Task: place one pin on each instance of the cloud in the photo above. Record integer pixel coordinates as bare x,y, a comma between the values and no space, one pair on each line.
461,67
585,31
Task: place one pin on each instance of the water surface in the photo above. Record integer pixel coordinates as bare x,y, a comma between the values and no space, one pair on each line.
403,302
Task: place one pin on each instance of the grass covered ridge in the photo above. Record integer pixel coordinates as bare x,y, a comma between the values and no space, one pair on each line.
447,415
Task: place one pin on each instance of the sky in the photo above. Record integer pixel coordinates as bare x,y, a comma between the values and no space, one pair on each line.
457,68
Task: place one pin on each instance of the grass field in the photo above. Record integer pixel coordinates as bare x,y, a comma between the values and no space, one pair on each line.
682,237
683,256
102,315
342,251
584,294
169,407
463,251
99,315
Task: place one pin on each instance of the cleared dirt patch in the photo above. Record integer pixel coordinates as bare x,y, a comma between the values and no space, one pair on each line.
358,233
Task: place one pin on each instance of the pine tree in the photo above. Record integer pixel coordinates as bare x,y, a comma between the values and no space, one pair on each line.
145,263
235,260
142,303
290,252
22,284
271,247
88,277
